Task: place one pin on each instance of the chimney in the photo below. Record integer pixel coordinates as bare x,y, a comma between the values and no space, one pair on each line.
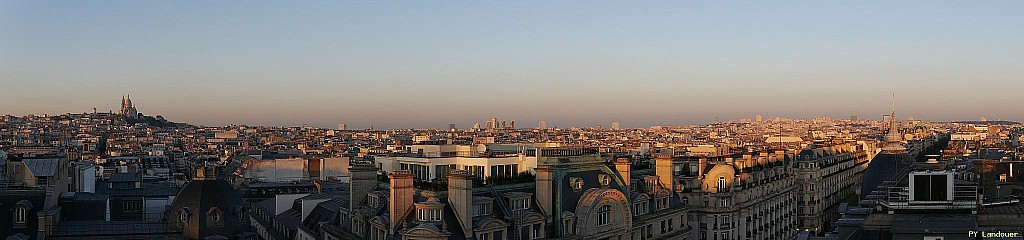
400,198
702,164
663,165
363,180
460,197
545,189
622,165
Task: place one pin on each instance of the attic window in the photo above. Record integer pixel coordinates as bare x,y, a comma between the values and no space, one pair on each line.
432,215
183,216
482,209
522,203
20,216
576,184
721,184
215,218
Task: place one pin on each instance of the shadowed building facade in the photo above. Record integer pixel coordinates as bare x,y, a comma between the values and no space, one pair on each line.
576,194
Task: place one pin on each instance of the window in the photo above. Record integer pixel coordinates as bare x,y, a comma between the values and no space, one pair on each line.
429,214
20,216
183,215
536,231
215,217
721,184
498,235
647,231
604,215
486,209
568,227
132,206
640,208
523,203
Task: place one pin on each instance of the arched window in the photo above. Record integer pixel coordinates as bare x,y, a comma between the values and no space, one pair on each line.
604,215
20,215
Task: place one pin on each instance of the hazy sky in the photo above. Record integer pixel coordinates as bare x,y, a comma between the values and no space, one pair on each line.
571,63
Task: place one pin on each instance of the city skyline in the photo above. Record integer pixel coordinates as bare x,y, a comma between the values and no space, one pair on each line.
428,64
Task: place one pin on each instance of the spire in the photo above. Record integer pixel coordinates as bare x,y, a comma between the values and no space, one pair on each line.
893,141
893,116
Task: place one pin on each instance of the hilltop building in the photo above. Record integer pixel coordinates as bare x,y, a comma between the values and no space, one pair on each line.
128,109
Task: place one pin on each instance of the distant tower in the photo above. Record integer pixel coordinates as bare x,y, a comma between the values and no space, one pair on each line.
512,124
342,127
758,118
615,126
494,123
451,127
542,125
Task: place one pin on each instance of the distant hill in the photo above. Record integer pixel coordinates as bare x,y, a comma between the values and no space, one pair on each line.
157,121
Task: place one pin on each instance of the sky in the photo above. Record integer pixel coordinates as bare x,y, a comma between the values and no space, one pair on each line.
424,64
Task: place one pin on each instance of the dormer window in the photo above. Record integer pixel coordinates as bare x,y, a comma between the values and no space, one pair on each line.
429,215
662,203
576,184
721,184
522,203
482,209
214,217
605,180
641,208
20,215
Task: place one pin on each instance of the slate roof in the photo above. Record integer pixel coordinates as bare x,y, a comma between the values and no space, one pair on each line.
125,177
42,167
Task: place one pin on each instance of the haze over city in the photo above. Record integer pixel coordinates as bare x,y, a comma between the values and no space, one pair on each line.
426,64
